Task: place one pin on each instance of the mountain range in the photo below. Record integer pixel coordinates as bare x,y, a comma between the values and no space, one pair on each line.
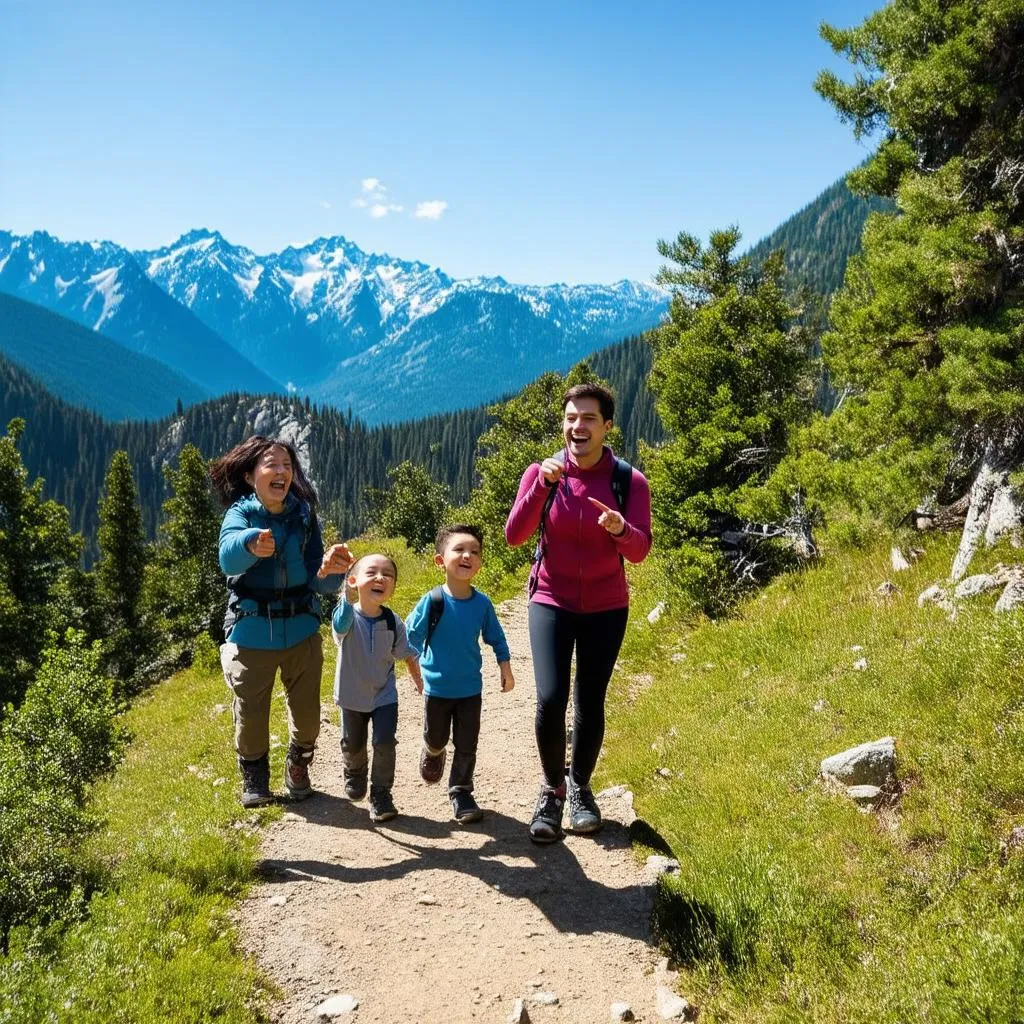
389,338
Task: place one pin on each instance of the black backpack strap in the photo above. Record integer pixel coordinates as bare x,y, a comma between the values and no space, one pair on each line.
539,549
389,621
434,614
622,477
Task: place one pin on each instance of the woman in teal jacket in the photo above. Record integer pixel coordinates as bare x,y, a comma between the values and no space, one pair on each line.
272,552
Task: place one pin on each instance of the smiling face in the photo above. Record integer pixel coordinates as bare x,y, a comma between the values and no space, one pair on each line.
461,558
271,477
374,580
584,430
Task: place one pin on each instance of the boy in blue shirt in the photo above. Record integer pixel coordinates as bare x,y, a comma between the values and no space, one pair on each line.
451,664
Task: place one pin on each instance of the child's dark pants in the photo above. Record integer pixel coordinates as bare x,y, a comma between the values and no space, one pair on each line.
354,728
459,716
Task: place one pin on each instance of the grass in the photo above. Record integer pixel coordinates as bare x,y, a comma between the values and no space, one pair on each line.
159,944
790,904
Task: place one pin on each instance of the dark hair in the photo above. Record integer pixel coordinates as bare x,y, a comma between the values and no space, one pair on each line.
373,554
228,472
441,541
590,390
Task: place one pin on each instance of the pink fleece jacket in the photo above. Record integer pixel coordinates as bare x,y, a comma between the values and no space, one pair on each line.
581,570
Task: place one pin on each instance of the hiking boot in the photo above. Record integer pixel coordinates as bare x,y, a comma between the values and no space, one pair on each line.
255,781
464,808
546,825
355,786
431,765
296,772
584,814
382,807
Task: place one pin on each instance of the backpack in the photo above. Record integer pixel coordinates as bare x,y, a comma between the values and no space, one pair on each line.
434,614
389,621
622,477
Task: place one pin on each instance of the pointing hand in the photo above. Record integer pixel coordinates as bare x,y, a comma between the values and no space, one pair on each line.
337,560
263,545
611,520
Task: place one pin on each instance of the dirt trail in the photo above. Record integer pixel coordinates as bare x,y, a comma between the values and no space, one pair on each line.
425,920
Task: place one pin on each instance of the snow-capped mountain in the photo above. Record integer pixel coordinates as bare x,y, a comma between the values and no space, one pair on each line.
102,286
384,335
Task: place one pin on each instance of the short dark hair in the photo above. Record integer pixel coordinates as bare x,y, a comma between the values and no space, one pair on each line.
604,397
443,535
373,554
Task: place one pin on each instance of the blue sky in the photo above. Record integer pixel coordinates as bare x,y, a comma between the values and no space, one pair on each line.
562,139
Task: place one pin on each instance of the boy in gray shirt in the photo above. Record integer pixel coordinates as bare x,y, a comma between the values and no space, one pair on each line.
370,638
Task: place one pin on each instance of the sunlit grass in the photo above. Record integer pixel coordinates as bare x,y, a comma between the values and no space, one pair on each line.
791,904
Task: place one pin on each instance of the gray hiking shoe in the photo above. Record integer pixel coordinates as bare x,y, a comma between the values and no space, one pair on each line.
296,771
255,781
584,814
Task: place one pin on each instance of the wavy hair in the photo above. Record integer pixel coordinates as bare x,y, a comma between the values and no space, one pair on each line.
229,471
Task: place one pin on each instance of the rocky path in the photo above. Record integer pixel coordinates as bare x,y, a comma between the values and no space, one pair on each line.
424,920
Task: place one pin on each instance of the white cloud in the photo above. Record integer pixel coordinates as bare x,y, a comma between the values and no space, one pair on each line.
373,185
324,204
433,209
360,203
379,210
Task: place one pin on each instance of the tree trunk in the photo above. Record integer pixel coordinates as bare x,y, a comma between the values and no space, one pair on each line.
995,510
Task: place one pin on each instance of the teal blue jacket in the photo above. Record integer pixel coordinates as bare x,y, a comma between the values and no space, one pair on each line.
298,553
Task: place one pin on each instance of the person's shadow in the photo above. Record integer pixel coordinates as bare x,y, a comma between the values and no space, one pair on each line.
508,861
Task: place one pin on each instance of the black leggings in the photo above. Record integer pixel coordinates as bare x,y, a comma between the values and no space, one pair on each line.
597,637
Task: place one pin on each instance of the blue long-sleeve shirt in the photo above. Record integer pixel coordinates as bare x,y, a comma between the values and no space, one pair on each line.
452,664
298,553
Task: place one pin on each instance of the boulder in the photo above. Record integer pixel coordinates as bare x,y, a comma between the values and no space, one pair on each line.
870,764
1012,596
971,586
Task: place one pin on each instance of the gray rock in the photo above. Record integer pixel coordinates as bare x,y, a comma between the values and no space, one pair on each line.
665,773
657,865
887,589
898,560
870,764
1012,597
426,900
337,1006
864,796
670,1006
543,998
621,1011
933,595
860,664
518,1014
613,792
656,612
974,585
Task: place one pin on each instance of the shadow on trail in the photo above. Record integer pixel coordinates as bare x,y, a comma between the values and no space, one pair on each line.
550,877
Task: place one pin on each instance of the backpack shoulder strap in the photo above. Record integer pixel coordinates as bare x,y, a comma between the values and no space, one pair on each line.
622,477
434,614
389,621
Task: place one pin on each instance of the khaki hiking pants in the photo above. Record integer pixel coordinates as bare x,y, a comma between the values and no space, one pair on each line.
250,674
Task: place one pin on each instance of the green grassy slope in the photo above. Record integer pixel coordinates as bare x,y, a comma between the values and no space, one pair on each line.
790,903
88,369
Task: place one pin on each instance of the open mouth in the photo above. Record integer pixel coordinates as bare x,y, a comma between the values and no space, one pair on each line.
278,485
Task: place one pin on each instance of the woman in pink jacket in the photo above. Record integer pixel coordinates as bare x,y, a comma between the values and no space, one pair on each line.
578,595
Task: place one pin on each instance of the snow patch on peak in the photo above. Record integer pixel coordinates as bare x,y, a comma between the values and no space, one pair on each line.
248,284
59,283
105,284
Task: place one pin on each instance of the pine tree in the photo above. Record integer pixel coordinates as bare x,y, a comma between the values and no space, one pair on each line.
121,566
927,333
730,378
413,506
38,551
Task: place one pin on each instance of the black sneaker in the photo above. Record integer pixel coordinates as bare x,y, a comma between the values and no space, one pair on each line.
546,826
431,765
584,814
255,781
355,787
382,807
296,772
464,808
